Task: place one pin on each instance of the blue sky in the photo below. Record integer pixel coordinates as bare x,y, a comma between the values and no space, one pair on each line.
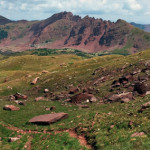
129,10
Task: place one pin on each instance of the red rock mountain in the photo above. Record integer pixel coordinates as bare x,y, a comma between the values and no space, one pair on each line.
65,30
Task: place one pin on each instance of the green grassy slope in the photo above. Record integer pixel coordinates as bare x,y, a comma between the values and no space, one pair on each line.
94,122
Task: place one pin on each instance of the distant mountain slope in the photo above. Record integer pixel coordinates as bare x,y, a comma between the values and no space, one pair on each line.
4,20
142,26
65,30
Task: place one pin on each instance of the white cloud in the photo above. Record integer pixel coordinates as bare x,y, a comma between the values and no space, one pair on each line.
2,3
23,6
134,5
130,10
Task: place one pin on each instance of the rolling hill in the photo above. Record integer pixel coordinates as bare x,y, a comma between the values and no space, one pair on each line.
142,26
107,123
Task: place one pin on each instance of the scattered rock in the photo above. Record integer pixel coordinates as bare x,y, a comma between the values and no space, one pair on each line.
13,139
11,108
146,105
47,108
83,97
119,97
136,72
63,64
46,90
48,118
82,106
73,90
35,81
138,134
20,96
140,87
148,93
12,98
6,80
125,100
21,103
52,108
39,99
130,124
88,90
44,71
142,78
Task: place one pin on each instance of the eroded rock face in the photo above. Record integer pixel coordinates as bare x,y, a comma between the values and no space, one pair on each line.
48,118
83,97
11,108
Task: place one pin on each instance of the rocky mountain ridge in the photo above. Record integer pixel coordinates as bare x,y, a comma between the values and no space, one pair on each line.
65,30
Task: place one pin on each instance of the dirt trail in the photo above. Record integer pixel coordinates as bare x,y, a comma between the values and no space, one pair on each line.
28,143
71,132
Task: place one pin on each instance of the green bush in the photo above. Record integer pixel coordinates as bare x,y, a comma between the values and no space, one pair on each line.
3,34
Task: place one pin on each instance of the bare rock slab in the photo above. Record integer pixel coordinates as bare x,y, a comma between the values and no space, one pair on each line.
48,118
11,108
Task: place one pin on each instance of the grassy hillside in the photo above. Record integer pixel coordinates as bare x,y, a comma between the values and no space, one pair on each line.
105,126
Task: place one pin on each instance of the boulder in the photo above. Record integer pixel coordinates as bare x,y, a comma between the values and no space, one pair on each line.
46,90
44,71
118,97
143,78
11,108
48,118
148,93
39,98
35,81
123,80
13,139
20,96
52,108
82,106
146,105
21,103
73,90
138,134
83,97
140,87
